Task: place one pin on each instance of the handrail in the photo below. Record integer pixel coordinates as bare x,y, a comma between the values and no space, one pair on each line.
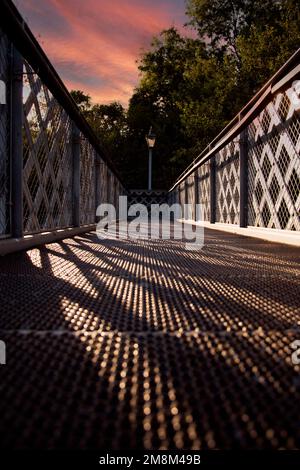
19,33
289,70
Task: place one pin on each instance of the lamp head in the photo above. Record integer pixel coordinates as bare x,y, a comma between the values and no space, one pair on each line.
151,138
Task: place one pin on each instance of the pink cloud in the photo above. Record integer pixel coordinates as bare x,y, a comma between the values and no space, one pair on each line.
94,44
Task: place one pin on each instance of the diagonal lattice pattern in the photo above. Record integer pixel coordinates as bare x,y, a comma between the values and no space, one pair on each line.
111,187
190,194
87,182
48,164
146,197
47,158
274,165
4,137
146,345
103,185
182,199
227,184
204,190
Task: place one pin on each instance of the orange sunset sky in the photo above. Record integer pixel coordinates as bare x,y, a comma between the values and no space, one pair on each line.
94,44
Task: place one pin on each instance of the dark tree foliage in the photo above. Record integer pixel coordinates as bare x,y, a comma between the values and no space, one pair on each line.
222,22
191,88
82,100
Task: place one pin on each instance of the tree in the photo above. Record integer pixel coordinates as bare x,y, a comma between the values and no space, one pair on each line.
191,88
221,22
110,125
82,100
108,121
264,51
157,101
209,101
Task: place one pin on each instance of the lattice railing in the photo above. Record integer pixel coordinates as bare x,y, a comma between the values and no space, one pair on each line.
182,196
47,158
146,197
104,180
87,182
190,194
204,190
111,188
61,173
274,165
254,179
4,136
227,184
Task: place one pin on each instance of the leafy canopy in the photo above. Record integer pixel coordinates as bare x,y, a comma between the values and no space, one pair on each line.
191,87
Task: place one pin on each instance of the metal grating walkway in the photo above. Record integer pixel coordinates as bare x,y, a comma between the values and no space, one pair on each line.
142,344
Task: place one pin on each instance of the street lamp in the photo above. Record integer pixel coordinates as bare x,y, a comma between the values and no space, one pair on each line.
150,139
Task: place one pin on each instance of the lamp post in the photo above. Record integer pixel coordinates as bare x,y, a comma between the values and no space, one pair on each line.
150,139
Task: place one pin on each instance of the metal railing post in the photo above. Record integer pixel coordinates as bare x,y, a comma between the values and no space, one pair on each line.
17,144
186,199
212,190
76,175
109,186
244,178
97,184
196,183
150,170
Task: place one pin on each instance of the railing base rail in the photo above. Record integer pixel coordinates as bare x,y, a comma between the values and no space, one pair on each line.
13,245
287,237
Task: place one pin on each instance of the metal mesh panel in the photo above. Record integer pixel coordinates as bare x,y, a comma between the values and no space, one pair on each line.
147,198
181,196
111,188
87,182
48,144
97,182
4,136
116,185
191,197
204,190
117,193
174,196
103,182
228,184
108,186
171,197
274,165
47,158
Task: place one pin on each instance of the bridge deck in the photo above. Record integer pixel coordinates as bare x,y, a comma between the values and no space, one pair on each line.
144,344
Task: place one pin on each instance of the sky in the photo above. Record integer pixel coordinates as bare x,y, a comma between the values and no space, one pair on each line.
94,44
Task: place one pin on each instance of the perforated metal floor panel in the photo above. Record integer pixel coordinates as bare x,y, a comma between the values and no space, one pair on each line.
143,344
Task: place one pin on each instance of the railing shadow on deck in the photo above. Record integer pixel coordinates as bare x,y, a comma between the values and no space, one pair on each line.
205,387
